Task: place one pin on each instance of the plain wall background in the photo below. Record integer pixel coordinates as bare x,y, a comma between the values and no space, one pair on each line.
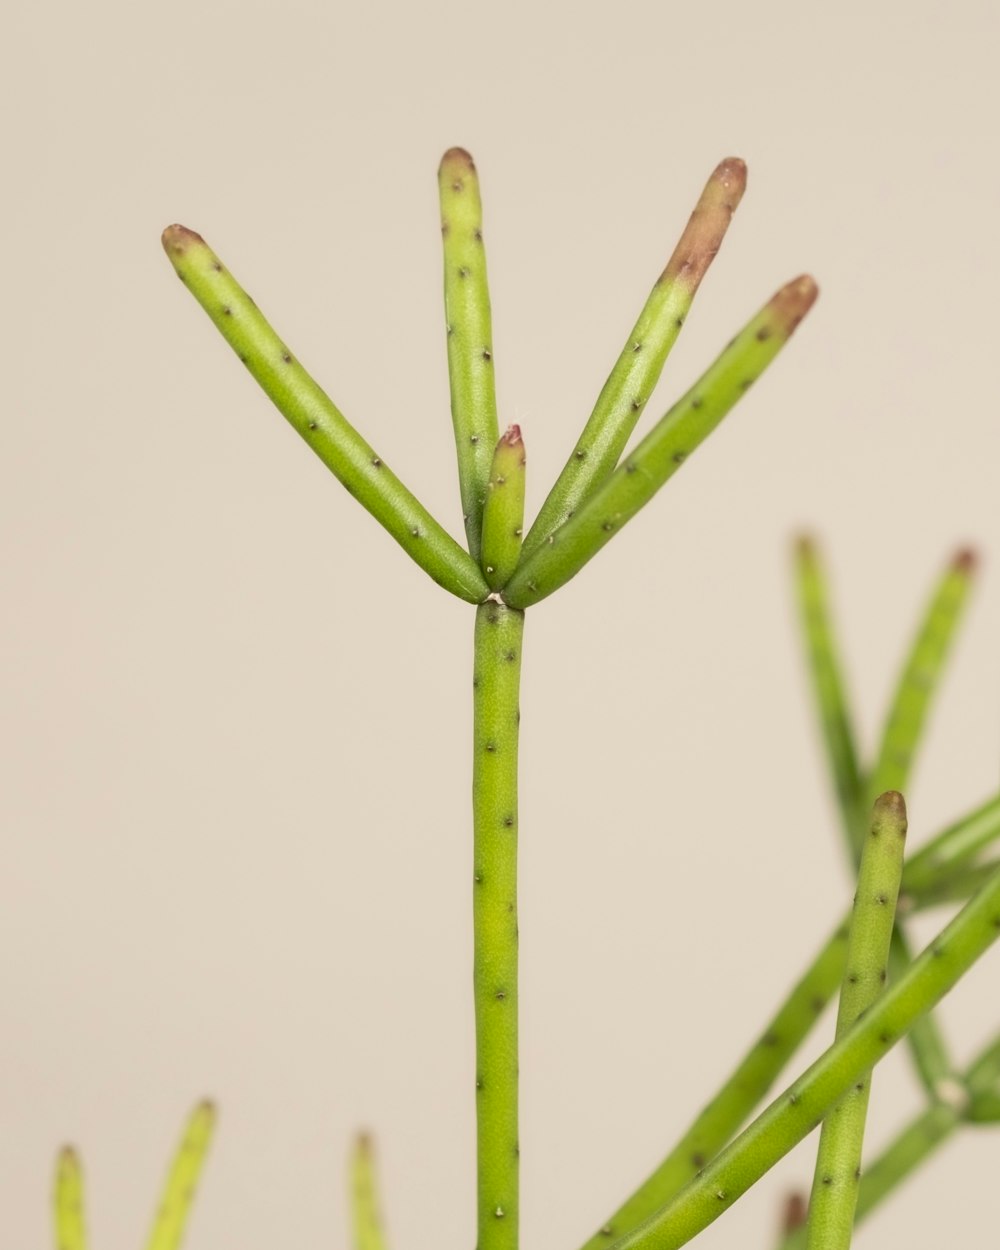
235,718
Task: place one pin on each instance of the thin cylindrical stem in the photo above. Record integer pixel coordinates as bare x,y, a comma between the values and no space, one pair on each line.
68,1207
366,1216
314,416
825,671
716,1123
802,1106
182,1180
469,323
954,848
838,1159
496,681
637,371
661,453
503,516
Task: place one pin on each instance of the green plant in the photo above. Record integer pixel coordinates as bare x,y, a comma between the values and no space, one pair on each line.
503,572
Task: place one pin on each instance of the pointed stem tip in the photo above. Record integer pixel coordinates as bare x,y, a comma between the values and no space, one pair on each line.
789,305
966,560
891,806
457,160
511,437
708,224
176,239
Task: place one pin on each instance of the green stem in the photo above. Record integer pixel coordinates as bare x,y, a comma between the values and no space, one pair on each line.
68,1207
838,1159
828,685
637,371
496,680
470,335
802,1106
316,418
178,1193
955,848
658,457
753,1077
503,516
722,1116
367,1219
920,678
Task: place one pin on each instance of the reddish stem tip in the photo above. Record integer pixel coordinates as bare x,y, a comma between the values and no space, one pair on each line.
793,301
806,547
177,239
966,560
891,805
794,1214
457,160
708,224
511,436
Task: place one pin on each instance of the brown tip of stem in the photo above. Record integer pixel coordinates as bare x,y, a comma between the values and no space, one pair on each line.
805,546
792,302
709,222
794,1213
69,1157
511,437
207,1108
177,239
966,560
890,806
364,1143
457,160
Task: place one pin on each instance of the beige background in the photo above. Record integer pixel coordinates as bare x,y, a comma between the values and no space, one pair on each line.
235,718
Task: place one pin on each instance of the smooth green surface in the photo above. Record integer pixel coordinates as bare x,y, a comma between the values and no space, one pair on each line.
503,516
661,453
182,1179
68,1208
838,1159
826,675
469,327
624,395
496,680
314,416
802,1106
366,1218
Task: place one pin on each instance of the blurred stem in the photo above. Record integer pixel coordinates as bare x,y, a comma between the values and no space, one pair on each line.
68,1205
367,1220
182,1179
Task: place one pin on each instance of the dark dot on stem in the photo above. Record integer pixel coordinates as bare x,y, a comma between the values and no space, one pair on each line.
415,531
679,457
678,322
312,425
477,234
510,656
286,357
817,1003
885,1038
698,1160
938,951
581,453
746,383
630,466
608,1230
860,1087
763,334
487,354
721,1195
881,899
478,878
463,272
491,747
473,439
636,405
697,402
500,995
857,1173
770,1039
637,347
883,976
510,907
793,1100
608,526
449,330
827,1180
376,463
508,822
445,227
217,266
243,358
457,185
852,978
226,310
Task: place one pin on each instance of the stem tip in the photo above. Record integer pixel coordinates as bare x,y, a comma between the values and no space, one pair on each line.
176,239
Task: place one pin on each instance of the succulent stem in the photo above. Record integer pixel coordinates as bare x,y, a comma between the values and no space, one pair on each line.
178,1192
469,324
663,450
317,419
838,1160
503,516
800,1108
496,681
68,1206
367,1219
825,670
638,368
955,848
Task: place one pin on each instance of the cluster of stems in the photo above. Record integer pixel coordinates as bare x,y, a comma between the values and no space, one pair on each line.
885,994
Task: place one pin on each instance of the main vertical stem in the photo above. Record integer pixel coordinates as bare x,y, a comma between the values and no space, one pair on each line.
496,680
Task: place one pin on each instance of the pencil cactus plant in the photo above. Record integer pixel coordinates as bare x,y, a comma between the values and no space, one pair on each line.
886,994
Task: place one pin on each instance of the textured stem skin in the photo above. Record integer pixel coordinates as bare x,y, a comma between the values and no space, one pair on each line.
749,1083
919,1139
920,677
316,418
838,1160
828,685
469,325
663,450
801,1107
496,680
901,736
722,1116
503,516
366,1217
178,1193
638,369
68,1210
